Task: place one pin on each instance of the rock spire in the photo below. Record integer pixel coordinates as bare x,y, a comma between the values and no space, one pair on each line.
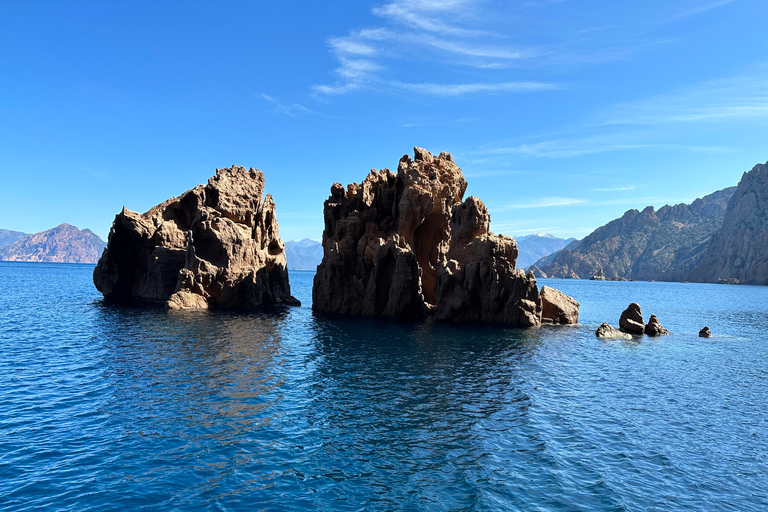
407,245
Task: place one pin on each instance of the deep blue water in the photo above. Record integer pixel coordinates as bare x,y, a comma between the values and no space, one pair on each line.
105,408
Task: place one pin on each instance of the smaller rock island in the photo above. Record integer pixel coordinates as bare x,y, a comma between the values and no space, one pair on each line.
216,245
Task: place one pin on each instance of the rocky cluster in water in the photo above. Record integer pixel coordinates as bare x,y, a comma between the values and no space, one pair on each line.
216,245
408,245
631,322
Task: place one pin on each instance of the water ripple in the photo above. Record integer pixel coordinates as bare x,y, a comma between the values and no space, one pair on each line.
107,408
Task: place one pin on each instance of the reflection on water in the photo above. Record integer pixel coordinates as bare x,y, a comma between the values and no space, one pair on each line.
106,408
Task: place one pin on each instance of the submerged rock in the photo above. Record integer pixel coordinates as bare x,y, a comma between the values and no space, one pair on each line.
705,333
215,245
557,307
654,328
405,245
607,331
631,320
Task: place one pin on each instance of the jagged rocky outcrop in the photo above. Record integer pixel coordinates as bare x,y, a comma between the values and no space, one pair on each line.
407,245
216,245
738,252
557,307
663,245
63,244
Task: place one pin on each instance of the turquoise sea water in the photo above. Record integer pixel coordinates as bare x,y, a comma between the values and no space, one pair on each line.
105,408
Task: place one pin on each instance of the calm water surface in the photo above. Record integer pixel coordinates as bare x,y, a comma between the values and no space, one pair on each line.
105,408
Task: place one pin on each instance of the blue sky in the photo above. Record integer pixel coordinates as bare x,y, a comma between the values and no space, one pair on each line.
562,114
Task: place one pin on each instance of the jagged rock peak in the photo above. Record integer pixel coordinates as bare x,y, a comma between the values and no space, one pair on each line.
404,245
738,252
216,245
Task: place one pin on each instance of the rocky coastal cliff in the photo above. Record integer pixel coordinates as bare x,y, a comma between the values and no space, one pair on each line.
216,245
664,245
407,245
739,250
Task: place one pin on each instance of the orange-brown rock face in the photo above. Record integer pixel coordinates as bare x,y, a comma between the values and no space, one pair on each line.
404,245
216,245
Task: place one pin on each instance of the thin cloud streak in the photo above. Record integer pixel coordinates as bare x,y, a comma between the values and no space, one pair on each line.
568,148
737,98
701,9
458,89
547,202
615,189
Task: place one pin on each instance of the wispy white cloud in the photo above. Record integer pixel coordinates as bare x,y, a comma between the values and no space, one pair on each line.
615,189
737,98
546,202
457,89
567,148
287,109
698,9
433,31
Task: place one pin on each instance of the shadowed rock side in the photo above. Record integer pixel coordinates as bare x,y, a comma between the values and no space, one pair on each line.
405,245
738,253
216,245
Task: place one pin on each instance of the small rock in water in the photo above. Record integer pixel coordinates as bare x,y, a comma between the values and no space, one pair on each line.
607,331
705,333
631,320
654,328
557,307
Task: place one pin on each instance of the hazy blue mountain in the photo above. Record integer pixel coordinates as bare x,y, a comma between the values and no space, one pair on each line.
303,255
62,244
534,247
7,237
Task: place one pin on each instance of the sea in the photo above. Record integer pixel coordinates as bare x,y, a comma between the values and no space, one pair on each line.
116,408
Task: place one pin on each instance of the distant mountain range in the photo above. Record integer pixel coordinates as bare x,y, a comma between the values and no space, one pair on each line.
531,248
62,244
303,255
721,237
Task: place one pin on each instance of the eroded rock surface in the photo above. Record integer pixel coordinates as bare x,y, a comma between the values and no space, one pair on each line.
557,307
654,328
631,320
216,245
405,245
738,252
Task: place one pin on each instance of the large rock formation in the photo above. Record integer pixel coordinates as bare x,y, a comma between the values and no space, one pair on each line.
215,245
63,244
662,245
405,245
738,252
